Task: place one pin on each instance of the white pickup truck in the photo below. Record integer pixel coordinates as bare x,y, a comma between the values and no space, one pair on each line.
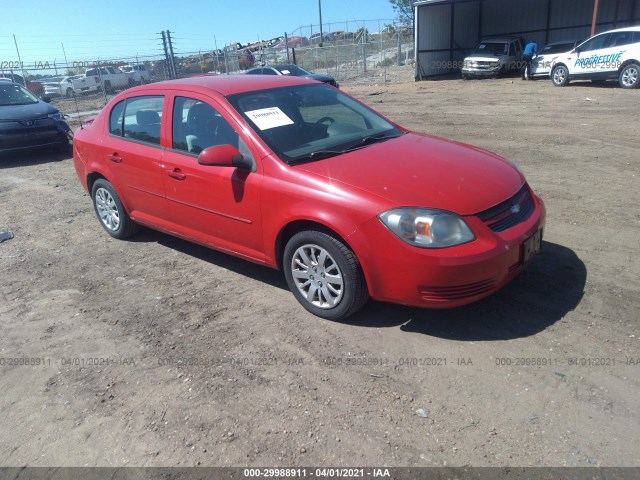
111,79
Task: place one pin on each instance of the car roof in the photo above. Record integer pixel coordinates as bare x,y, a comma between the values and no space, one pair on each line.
635,28
501,39
224,84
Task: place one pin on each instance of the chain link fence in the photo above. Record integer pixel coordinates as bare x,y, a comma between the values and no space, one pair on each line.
344,50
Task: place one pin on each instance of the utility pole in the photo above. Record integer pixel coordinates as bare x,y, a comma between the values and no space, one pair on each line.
65,60
595,17
167,65
320,15
173,58
24,77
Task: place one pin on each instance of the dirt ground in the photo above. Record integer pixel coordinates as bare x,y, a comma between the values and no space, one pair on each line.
157,352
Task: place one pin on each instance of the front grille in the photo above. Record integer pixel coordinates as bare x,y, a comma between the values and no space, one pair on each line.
440,294
514,271
510,212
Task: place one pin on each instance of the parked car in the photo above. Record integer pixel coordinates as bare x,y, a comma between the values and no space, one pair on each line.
493,57
295,175
138,73
67,86
292,70
612,55
34,86
294,42
542,64
29,122
110,79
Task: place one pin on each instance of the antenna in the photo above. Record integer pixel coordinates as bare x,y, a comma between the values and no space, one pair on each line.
75,100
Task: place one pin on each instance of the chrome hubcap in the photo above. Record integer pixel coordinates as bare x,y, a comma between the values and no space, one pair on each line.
317,276
630,76
559,75
107,209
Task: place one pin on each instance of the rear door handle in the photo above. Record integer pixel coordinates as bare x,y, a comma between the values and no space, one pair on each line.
115,158
177,174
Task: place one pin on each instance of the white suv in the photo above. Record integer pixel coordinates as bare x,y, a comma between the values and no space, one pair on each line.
610,55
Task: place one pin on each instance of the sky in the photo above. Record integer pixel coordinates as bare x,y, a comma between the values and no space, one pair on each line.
94,31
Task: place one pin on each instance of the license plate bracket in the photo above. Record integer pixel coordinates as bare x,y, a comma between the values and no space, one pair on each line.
531,247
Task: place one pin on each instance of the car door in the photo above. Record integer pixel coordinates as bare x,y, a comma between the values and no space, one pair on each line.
582,62
609,58
218,206
134,154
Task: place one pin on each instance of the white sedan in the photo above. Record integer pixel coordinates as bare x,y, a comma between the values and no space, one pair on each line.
67,86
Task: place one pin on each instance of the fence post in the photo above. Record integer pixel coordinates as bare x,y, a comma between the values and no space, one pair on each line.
399,62
364,58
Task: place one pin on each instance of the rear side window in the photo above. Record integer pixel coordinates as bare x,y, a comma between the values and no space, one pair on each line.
618,39
138,118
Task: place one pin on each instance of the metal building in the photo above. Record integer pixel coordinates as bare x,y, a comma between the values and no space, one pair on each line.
448,30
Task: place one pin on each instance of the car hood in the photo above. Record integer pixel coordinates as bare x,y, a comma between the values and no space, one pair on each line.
483,58
425,171
26,112
321,77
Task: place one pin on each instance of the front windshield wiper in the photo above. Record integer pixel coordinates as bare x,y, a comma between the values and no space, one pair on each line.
380,137
321,154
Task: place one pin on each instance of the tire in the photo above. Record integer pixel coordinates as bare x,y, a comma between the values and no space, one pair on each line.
306,273
107,87
630,76
110,212
560,76
69,92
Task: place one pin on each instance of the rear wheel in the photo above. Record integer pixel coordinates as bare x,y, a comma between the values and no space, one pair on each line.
69,92
324,275
107,87
630,76
110,211
560,76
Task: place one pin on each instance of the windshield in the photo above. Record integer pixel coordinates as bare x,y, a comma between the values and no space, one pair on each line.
309,122
557,48
14,94
294,70
489,48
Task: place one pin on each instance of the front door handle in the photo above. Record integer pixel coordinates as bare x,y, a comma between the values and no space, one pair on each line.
115,158
177,174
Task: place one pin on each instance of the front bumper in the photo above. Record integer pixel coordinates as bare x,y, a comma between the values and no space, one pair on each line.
477,72
16,139
400,273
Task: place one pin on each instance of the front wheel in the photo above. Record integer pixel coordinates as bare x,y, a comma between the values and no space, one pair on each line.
110,211
324,275
69,92
630,76
560,76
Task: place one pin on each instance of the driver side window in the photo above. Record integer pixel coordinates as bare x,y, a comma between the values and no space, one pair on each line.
595,43
197,125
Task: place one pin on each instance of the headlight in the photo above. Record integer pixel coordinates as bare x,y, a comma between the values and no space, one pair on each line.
465,64
55,116
427,228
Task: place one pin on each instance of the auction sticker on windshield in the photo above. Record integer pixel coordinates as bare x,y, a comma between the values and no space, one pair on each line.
267,118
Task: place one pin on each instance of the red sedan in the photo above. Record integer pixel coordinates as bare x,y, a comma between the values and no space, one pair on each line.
297,175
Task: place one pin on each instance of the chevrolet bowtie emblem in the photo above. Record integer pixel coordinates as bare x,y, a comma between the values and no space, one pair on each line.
515,208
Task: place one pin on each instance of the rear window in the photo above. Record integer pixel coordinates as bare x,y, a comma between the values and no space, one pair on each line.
138,118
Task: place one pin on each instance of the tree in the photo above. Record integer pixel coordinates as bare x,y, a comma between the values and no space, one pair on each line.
404,11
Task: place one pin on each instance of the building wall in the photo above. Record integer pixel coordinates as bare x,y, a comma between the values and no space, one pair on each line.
448,30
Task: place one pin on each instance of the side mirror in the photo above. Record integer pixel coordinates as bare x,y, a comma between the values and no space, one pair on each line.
224,156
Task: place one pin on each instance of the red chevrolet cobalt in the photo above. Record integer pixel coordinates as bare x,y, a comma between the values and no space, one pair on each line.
294,174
